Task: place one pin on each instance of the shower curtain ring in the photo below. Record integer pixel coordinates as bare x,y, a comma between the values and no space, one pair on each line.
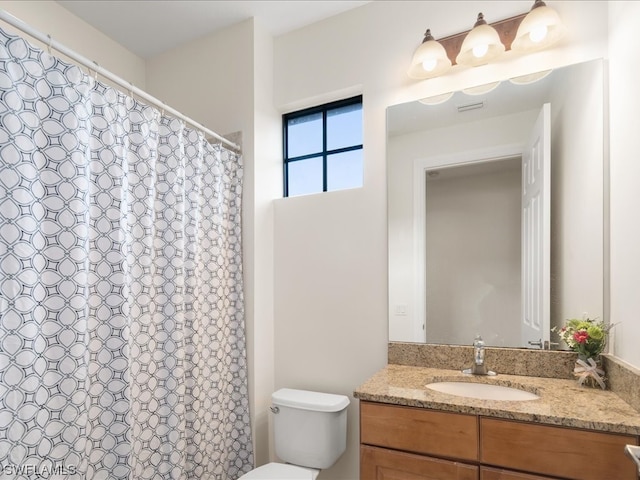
49,44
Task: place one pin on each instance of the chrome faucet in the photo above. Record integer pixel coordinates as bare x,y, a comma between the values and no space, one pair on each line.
479,367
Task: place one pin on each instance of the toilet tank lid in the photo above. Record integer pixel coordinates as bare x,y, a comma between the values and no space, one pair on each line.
308,400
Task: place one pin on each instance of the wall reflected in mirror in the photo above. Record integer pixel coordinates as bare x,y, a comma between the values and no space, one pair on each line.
454,209
473,247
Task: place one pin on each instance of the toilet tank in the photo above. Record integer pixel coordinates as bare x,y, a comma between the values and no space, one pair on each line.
310,428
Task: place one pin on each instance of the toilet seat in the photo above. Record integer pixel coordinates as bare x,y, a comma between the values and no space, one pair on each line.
280,471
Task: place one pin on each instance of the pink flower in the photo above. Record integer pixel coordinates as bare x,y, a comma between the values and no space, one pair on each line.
581,336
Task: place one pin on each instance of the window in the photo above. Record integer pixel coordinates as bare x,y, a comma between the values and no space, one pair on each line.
323,148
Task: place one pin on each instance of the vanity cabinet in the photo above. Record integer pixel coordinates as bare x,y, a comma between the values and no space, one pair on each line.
488,473
405,443
412,430
555,451
385,464
410,443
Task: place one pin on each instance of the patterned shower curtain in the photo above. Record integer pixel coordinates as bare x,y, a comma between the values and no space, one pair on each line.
122,343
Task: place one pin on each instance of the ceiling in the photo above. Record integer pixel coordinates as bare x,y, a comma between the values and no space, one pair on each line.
150,27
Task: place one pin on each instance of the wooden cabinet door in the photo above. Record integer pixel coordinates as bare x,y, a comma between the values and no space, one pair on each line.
419,430
556,451
383,464
487,473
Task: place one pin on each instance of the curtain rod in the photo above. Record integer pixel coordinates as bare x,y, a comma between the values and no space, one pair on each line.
93,66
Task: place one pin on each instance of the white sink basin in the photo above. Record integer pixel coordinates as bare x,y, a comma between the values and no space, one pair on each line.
483,391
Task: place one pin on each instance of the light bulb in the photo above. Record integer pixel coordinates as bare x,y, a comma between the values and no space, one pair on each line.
429,64
480,50
538,34
429,60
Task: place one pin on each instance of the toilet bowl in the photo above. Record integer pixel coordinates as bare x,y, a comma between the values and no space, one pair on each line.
310,433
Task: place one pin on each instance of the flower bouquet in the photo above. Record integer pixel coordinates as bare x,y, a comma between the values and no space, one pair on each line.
587,337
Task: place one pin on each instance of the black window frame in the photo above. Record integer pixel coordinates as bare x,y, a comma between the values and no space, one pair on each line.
324,153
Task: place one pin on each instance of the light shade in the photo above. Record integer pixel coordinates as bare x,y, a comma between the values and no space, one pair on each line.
436,99
481,45
481,89
541,28
429,60
529,78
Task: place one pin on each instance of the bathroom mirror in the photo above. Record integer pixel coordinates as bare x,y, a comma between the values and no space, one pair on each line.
455,223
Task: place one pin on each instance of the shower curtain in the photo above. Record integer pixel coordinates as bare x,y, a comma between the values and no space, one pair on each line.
122,343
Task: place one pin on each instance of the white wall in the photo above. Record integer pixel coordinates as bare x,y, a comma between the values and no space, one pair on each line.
267,181
473,249
212,83
50,18
624,72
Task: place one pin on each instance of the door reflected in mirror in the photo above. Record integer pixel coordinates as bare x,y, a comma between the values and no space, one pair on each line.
468,250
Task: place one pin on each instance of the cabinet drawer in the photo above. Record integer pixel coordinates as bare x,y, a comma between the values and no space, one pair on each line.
419,430
487,473
380,464
558,451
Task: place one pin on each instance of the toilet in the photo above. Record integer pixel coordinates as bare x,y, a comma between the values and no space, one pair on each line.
310,432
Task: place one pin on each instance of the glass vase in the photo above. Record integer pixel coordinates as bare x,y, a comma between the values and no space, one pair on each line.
589,372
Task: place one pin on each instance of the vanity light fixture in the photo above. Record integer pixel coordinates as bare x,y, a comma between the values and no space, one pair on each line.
481,45
430,59
540,28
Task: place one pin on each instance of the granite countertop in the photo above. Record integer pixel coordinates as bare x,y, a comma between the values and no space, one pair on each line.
562,402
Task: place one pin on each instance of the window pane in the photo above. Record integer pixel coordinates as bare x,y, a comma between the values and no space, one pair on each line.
344,170
305,176
304,135
344,127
